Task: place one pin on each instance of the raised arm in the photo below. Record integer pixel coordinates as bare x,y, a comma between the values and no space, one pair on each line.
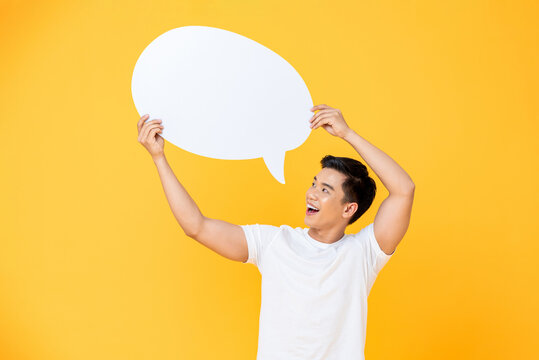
220,236
393,217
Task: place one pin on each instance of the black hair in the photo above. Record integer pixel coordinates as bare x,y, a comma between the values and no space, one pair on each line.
358,186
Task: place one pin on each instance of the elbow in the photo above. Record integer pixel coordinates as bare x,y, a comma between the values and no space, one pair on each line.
194,230
407,189
192,234
410,187
411,190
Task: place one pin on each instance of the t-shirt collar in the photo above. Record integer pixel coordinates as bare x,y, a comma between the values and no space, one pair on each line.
320,244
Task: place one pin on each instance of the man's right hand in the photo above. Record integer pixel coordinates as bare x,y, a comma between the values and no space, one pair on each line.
148,136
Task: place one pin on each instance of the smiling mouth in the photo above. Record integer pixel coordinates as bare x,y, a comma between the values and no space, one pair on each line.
311,211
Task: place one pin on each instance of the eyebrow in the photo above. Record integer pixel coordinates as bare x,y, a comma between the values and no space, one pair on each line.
329,186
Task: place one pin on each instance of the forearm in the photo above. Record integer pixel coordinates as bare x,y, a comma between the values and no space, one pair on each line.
394,178
183,207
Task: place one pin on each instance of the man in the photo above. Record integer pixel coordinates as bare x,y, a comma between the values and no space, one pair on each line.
315,280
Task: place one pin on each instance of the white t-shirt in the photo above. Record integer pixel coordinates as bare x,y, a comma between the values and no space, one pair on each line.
314,295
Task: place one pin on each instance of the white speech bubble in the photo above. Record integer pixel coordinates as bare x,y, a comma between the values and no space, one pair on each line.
223,96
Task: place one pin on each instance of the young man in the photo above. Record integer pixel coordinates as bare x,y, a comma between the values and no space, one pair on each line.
315,280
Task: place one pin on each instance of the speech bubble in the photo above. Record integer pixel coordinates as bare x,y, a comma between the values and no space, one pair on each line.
222,95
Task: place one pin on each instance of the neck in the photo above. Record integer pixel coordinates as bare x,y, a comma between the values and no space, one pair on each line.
328,236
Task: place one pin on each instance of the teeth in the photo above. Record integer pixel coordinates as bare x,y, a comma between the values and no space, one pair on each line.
311,207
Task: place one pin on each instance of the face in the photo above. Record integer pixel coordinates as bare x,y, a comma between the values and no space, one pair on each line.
326,194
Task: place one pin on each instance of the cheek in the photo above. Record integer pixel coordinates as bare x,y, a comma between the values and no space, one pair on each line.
330,206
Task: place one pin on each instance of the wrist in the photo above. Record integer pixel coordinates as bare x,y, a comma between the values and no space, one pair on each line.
350,132
158,158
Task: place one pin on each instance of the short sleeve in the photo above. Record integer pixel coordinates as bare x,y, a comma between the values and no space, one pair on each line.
258,238
375,256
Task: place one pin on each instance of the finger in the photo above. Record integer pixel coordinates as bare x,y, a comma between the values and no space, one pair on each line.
326,113
154,121
146,130
322,120
145,126
151,134
320,107
321,112
141,121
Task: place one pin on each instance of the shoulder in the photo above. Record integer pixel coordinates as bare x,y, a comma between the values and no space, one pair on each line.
366,238
365,231
293,230
281,228
287,230
265,230
362,236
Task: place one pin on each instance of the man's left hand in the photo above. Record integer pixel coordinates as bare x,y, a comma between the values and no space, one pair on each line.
330,119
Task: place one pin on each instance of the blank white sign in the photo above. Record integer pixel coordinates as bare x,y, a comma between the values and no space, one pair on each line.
223,96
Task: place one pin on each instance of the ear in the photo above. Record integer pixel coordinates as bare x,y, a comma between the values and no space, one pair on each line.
350,210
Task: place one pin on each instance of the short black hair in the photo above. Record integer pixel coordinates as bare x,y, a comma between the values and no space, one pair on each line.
358,186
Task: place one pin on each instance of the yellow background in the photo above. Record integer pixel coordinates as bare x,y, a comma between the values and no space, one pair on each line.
93,264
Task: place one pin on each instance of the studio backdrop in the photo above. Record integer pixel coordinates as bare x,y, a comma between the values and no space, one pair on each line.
93,265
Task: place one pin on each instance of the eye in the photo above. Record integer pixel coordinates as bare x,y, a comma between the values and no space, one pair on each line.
322,189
